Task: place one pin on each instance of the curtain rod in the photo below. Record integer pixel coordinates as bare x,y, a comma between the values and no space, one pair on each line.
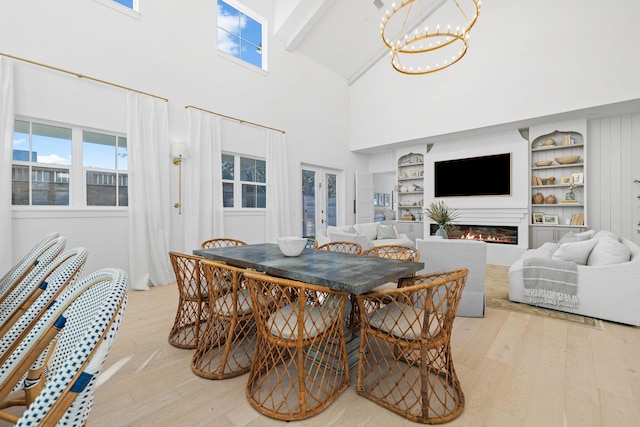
82,76
235,118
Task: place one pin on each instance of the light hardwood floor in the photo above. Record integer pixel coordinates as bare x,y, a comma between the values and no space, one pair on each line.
515,369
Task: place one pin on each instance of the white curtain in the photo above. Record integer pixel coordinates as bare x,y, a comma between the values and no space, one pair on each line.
202,210
7,108
279,220
149,195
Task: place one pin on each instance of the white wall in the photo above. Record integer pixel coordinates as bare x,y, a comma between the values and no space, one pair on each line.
160,55
527,59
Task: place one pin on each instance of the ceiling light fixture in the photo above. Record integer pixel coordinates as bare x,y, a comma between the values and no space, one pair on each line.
425,36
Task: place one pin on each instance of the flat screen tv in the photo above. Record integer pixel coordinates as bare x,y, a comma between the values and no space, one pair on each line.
473,176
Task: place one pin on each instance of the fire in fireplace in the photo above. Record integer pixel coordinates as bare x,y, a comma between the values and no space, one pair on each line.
487,233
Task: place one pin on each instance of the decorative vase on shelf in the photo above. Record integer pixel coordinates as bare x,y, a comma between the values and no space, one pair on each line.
570,196
442,232
538,198
550,200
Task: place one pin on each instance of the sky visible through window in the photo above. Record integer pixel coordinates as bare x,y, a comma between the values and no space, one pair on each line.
239,35
127,3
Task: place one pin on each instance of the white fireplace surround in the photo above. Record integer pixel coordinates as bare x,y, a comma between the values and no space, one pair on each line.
497,254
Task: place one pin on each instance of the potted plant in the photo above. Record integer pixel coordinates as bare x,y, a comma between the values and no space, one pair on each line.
442,215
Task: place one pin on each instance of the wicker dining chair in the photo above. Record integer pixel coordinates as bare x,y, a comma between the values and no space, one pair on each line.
64,352
384,251
221,242
343,247
30,302
300,363
311,243
38,260
193,301
227,343
26,263
405,363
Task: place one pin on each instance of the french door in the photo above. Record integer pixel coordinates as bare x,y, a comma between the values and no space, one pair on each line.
319,199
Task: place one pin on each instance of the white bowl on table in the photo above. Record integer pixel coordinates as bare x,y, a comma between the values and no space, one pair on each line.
291,246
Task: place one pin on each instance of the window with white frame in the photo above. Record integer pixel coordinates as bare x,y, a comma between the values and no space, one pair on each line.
241,33
127,3
248,187
45,172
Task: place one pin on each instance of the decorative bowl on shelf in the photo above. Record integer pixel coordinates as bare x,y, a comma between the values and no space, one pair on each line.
544,162
549,142
404,204
291,246
567,160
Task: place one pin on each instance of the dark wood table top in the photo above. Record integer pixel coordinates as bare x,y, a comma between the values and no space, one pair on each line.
356,274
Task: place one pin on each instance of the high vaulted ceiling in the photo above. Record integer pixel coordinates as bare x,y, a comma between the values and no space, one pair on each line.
342,35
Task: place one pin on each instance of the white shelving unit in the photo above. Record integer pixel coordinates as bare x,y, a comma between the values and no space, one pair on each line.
550,221
410,187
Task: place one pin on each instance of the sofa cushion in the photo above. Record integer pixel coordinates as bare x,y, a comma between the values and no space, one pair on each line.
609,251
387,232
577,252
337,236
369,229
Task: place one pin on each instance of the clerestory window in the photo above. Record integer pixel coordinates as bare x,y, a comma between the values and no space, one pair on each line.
241,33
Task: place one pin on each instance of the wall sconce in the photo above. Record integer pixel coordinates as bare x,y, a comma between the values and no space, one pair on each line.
179,151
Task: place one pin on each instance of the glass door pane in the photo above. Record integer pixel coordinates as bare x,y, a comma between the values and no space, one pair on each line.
308,203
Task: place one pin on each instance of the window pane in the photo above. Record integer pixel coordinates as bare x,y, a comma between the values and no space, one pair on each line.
51,144
123,189
247,169
50,186
98,151
251,53
251,31
228,18
308,203
123,154
227,166
20,185
21,141
261,196
332,205
228,43
227,195
101,188
127,3
261,171
249,196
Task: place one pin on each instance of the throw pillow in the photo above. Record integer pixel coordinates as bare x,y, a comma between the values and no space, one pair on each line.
603,234
574,237
351,230
386,232
609,251
577,252
589,233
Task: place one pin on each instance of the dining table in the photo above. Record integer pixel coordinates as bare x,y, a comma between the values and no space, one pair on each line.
355,274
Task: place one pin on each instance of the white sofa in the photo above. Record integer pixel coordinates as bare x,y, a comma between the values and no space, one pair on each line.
447,254
367,234
608,284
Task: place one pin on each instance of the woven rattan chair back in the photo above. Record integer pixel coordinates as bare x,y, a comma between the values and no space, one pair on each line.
405,362
20,311
221,242
24,264
311,243
37,262
300,363
393,252
226,346
384,251
193,303
73,339
343,247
